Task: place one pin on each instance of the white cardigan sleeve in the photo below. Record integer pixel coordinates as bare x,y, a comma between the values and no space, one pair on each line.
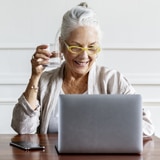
24,119
148,128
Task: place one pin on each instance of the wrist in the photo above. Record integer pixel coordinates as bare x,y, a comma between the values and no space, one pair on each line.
33,82
35,77
35,88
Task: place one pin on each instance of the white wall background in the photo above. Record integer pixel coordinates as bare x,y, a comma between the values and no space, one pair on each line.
131,44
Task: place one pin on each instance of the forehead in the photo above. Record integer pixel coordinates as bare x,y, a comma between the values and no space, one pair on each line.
84,34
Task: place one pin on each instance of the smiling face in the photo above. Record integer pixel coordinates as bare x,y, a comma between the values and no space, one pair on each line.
80,64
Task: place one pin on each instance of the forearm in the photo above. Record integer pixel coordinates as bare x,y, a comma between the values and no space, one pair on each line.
31,91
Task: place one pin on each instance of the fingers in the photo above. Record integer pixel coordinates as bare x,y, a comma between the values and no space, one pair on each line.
41,56
40,59
42,52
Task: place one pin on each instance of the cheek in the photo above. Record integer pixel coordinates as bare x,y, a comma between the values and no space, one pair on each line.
68,57
93,58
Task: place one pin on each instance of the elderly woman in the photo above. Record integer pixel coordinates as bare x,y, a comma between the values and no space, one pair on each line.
36,110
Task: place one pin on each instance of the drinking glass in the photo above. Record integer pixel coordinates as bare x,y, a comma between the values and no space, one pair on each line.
55,58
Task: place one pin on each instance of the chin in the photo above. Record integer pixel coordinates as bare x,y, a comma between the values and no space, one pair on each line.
82,71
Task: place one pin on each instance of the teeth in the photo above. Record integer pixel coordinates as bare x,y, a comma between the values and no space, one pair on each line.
82,63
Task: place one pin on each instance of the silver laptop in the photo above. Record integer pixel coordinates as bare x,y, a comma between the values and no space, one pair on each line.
100,124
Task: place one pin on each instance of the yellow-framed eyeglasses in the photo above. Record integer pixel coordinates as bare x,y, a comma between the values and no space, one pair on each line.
78,50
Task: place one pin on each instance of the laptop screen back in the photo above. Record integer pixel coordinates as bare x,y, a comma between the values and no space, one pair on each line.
100,124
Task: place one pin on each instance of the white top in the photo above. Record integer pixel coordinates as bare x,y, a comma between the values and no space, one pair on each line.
53,122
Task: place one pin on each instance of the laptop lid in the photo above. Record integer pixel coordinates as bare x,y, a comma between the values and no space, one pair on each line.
100,124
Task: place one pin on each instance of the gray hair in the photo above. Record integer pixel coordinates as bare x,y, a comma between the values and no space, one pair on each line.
78,16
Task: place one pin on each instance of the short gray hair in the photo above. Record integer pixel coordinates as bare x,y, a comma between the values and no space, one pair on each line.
78,16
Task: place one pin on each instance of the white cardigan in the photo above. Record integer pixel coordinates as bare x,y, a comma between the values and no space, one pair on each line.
101,81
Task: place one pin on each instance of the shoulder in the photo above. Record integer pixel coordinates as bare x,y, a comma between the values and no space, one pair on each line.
115,81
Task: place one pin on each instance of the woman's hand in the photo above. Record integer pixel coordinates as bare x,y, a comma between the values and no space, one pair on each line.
40,60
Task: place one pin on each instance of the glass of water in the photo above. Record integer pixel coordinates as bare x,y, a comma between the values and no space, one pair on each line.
55,58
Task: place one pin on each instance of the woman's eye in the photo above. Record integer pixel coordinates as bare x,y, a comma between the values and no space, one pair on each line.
92,47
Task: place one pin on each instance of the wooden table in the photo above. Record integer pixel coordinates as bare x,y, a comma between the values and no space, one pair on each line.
7,152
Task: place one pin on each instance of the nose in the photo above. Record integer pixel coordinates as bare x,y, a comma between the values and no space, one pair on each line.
84,54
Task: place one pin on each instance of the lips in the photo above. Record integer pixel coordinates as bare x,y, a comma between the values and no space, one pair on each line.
82,64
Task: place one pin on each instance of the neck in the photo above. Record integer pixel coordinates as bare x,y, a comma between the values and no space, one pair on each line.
74,83
70,76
